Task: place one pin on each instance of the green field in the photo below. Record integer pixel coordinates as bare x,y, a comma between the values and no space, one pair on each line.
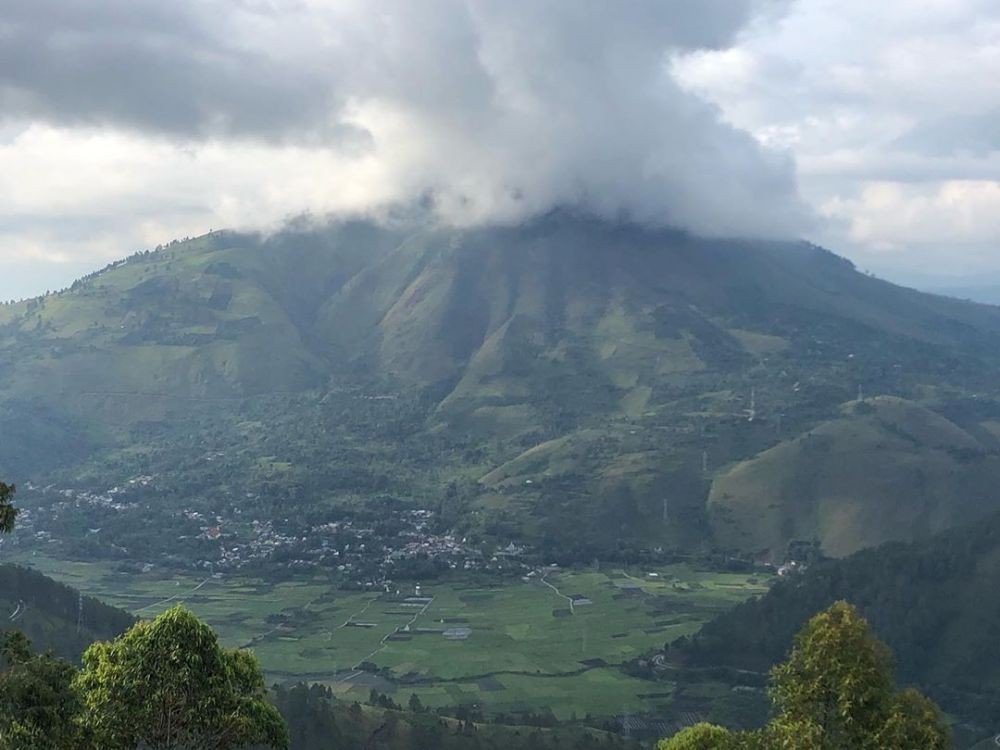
526,649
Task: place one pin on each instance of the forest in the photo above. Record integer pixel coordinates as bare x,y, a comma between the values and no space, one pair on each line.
932,601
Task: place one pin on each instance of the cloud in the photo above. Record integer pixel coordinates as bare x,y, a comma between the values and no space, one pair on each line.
891,216
230,110
891,111
186,68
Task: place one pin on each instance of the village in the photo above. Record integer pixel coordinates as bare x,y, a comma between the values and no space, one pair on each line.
363,550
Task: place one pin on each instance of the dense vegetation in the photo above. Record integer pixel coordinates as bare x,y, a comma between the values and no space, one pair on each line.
38,707
834,692
572,383
317,721
8,513
933,602
56,617
164,684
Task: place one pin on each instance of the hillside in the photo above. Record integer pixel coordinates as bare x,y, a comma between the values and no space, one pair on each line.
570,381
931,601
884,469
54,616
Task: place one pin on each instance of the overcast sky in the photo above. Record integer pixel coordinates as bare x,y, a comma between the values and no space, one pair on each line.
872,128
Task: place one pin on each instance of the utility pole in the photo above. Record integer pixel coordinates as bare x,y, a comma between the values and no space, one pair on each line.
79,614
704,462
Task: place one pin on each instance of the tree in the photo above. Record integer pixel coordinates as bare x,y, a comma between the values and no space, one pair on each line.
699,737
834,692
37,703
168,684
309,712
913,721
838,677
8,513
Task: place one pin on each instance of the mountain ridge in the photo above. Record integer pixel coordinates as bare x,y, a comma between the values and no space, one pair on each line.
637,363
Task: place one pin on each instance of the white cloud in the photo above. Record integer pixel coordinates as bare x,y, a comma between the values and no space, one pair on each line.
132,117
891,216
892,111
124,123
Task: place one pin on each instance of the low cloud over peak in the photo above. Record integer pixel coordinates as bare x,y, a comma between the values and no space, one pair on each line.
485,111
124,123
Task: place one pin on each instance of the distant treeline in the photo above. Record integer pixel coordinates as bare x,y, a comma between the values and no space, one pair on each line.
317,721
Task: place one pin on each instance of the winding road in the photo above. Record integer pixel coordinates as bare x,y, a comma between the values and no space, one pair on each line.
572,609
19,612
172,598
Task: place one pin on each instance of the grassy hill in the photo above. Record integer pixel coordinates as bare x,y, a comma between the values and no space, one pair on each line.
885,469
583,383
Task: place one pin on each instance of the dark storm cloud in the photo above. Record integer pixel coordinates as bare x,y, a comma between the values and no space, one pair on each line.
196,68
172,67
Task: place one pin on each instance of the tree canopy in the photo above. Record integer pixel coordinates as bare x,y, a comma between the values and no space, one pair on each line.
834,692
167,683
162,685
38,708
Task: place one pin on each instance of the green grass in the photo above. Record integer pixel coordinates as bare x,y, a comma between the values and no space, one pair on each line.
885,469
519,655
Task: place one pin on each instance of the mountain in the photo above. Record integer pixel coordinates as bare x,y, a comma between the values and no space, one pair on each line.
986,293
883,463
930,600
54,616
594,386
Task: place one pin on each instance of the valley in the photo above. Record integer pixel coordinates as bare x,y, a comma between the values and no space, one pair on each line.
457,643
510,471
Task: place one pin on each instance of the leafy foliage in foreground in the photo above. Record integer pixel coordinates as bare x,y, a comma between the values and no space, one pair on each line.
835,692
163,685
38,708
168,683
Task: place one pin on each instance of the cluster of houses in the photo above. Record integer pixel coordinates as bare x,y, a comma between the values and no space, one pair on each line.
366,550
34,525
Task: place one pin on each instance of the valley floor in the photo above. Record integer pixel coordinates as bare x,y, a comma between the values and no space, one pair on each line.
551,643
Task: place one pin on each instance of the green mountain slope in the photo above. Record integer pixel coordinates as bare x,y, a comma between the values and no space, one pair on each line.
54,616
932,601
582,383
885,469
